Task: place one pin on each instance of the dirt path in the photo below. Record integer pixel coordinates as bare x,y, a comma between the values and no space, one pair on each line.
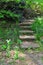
10,61
36,57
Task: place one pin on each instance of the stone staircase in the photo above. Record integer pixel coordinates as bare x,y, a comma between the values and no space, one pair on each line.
27,34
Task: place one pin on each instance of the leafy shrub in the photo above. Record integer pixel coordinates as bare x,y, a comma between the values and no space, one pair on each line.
19,7
10,11
37,26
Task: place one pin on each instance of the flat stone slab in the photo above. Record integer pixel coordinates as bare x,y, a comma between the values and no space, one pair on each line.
25,23
27,37
26,44
29,20
26,31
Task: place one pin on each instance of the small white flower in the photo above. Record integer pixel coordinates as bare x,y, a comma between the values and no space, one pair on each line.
8,40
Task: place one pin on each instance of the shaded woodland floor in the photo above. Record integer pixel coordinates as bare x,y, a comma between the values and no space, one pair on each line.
28,56
25,58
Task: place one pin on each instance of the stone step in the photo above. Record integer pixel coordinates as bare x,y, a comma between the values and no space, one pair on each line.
26,27
26,44
25,23
26,37
29,20
26,32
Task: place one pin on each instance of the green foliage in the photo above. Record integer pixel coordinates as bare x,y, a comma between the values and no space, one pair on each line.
9,21
4,47
16,56
36,5
37,26
8,14
8,47
40,1
10,0
13,11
